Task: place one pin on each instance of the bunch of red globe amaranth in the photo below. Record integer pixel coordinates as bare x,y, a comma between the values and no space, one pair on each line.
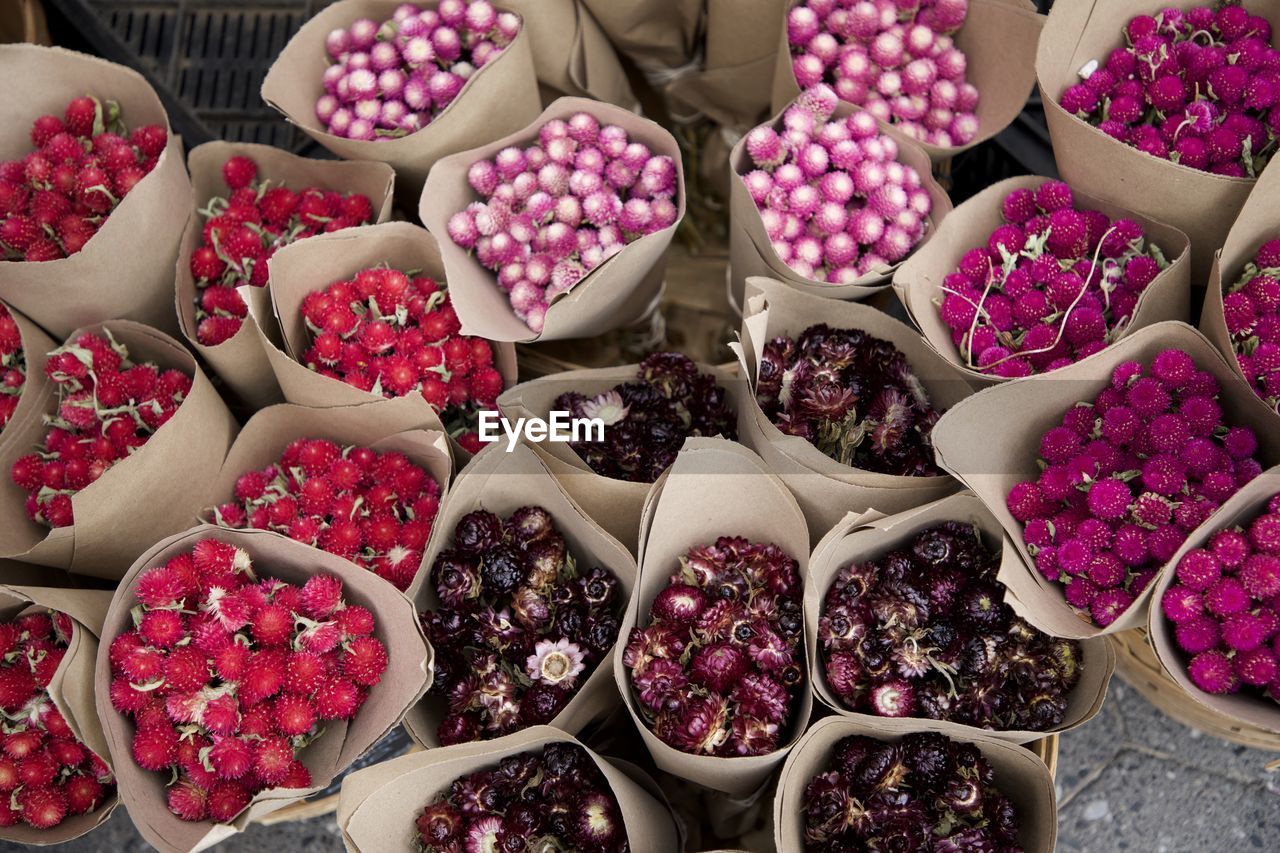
520,628
375,509
555,799
46,773
647,421
895,58
923,631
1251,309
242,232
833,198
227,676
717,669
1055,283
554,211
1199,87
391,333
1225,608
108,407
1126,477
926,792
53,200
851,395
13,366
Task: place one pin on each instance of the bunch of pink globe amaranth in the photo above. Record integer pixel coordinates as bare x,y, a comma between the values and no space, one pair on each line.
1251,309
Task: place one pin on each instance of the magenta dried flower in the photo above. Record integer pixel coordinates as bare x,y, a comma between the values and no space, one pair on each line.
1251,307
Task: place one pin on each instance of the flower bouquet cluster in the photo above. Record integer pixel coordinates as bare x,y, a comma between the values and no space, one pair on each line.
13,366
1251,311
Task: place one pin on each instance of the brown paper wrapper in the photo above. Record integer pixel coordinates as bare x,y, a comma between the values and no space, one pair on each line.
656,35
317,262
571,54
110,277
613,295
71,691
150,494
824,488
1093,162
1020,776
1250,706
240,361
715,488
999,41
407,676
859,538
918,282
499,98
378,805
992,441
37,388
614,504
503,482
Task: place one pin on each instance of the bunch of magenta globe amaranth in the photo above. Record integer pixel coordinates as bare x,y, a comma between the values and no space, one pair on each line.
1199,87
851,395
520,627
717,669
1251,309
923,631
647,420
1126,477
925,792
1053,284
13,366
553,799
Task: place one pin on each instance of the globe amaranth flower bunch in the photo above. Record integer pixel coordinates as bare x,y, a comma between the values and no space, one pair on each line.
851,395
46,773
375,509
923,631
520,627
894,58
391,333
833,198
242,231
552,799
647,421
717,669
393,78
1199,87
108,407
228,676
13,366
1251,309
1126,477
926,792
1053,284
1225,608
551,213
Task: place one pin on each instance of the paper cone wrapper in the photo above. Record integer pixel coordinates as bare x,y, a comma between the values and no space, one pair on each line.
614,504
1248,706
999,41
152,493
240,361
499,98
71,690
918,282
715,488
406,678
992,441
1092,162
317,262
379,804
503,482
824,488
1259,221
611,296
111,277
571,54
657,35
751,252
36,388
861,538
1019,774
